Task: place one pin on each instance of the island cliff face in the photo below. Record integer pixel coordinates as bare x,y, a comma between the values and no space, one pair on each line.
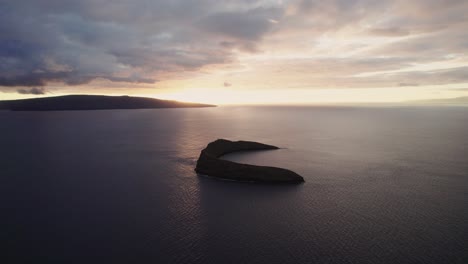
209,164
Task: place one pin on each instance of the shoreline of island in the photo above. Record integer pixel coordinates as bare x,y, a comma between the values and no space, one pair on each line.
93,102
209,164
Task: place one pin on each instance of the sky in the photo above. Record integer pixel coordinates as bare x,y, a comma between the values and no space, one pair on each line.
236,52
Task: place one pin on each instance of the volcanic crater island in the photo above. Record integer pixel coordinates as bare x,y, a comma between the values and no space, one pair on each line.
210,164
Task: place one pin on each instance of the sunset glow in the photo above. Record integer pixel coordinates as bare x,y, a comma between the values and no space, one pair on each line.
253,52
234,131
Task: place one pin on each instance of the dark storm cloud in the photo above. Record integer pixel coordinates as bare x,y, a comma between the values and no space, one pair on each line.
75,42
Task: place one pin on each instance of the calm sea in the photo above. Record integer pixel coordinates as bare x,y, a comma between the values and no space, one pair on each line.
383,185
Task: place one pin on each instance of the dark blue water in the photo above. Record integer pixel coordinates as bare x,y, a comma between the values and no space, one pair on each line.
383,185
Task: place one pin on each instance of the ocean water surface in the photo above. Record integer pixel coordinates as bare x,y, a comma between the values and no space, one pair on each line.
383,185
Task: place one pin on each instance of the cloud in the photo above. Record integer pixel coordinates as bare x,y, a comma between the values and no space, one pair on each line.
460,89
408,84
350,73
250,25
74,43
307,43
34,90
67,77
389,32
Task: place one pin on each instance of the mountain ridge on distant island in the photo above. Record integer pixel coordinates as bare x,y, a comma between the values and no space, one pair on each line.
92,102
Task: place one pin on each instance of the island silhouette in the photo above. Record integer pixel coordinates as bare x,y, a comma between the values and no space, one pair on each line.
210,164
92,102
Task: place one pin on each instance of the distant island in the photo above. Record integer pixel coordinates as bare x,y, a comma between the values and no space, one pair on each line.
92,102
210,164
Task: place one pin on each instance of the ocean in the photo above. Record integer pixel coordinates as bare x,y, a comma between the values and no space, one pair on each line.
382,185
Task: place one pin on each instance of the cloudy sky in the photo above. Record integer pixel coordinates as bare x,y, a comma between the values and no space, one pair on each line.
243,51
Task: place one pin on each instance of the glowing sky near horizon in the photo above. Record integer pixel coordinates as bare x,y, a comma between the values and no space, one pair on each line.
234,52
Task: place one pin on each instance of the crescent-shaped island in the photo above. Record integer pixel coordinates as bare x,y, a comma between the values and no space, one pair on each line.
210,164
